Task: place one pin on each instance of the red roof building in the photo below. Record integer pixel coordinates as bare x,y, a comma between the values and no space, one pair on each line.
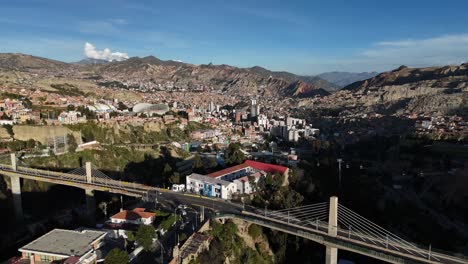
136,216
247,168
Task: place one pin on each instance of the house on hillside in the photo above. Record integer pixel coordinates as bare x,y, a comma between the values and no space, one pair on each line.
136,216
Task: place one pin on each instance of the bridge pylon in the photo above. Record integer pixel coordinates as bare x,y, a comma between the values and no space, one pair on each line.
90,201
16,190
331,253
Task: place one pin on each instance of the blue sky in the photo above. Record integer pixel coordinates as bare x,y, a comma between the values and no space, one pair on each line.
301,36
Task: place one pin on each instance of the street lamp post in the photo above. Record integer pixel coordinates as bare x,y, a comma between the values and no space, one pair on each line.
339,171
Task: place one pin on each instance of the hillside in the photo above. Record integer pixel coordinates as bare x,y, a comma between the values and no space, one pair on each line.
227,79
343,79
442,90
452,77
22,62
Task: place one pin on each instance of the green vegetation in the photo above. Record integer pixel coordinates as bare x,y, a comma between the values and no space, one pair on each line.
116,256
193,126
145,236
9,129
255,231
71,141
67,89
160,213
228,244
108,159
169,221
234,155
132,134
17,145
131,236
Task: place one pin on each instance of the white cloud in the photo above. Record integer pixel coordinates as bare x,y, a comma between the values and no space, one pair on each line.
91,52
442,50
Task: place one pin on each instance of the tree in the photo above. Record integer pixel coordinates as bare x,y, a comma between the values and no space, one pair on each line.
121,106
255,231
174,178
212,163
131,236
71,107
116,256
145,236
9,129
197,164
234,155
30,144
71,141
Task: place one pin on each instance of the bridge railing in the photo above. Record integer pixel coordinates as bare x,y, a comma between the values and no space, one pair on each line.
70,177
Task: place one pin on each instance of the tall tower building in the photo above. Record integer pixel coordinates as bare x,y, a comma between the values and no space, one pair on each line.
212,106
253,108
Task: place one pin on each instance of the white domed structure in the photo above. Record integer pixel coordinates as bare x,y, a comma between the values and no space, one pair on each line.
159,109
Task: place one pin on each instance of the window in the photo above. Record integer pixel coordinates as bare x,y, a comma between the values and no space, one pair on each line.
45,258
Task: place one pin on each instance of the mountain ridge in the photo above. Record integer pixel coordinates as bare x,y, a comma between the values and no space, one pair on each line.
343,79
230,79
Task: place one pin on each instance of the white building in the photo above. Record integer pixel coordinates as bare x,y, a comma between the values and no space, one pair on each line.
243,184
291,121
71,117
209,186
262,121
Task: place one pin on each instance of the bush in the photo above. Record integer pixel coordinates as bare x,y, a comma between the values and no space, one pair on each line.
116,256
255,231
144,237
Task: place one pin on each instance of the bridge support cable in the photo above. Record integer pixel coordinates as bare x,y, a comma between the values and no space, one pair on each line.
310,213
359,229
390,235
305,216
302,207
381,235
373,234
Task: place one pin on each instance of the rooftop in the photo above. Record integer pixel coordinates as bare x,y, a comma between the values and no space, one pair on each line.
64,242
266,167
208,179
134,214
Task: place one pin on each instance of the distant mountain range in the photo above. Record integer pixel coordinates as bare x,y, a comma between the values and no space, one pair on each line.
231,80
89,61
415,90
343,79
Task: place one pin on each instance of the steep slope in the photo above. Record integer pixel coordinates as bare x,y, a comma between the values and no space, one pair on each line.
433,77
440,90
302,89
343,79
22,62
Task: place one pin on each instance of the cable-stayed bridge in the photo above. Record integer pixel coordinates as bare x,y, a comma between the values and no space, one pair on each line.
330,224
338,227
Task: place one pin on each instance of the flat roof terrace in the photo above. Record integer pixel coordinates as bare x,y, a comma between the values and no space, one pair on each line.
65,243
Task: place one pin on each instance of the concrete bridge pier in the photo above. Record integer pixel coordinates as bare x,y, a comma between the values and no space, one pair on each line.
16,190
331,253
90,206
90,201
